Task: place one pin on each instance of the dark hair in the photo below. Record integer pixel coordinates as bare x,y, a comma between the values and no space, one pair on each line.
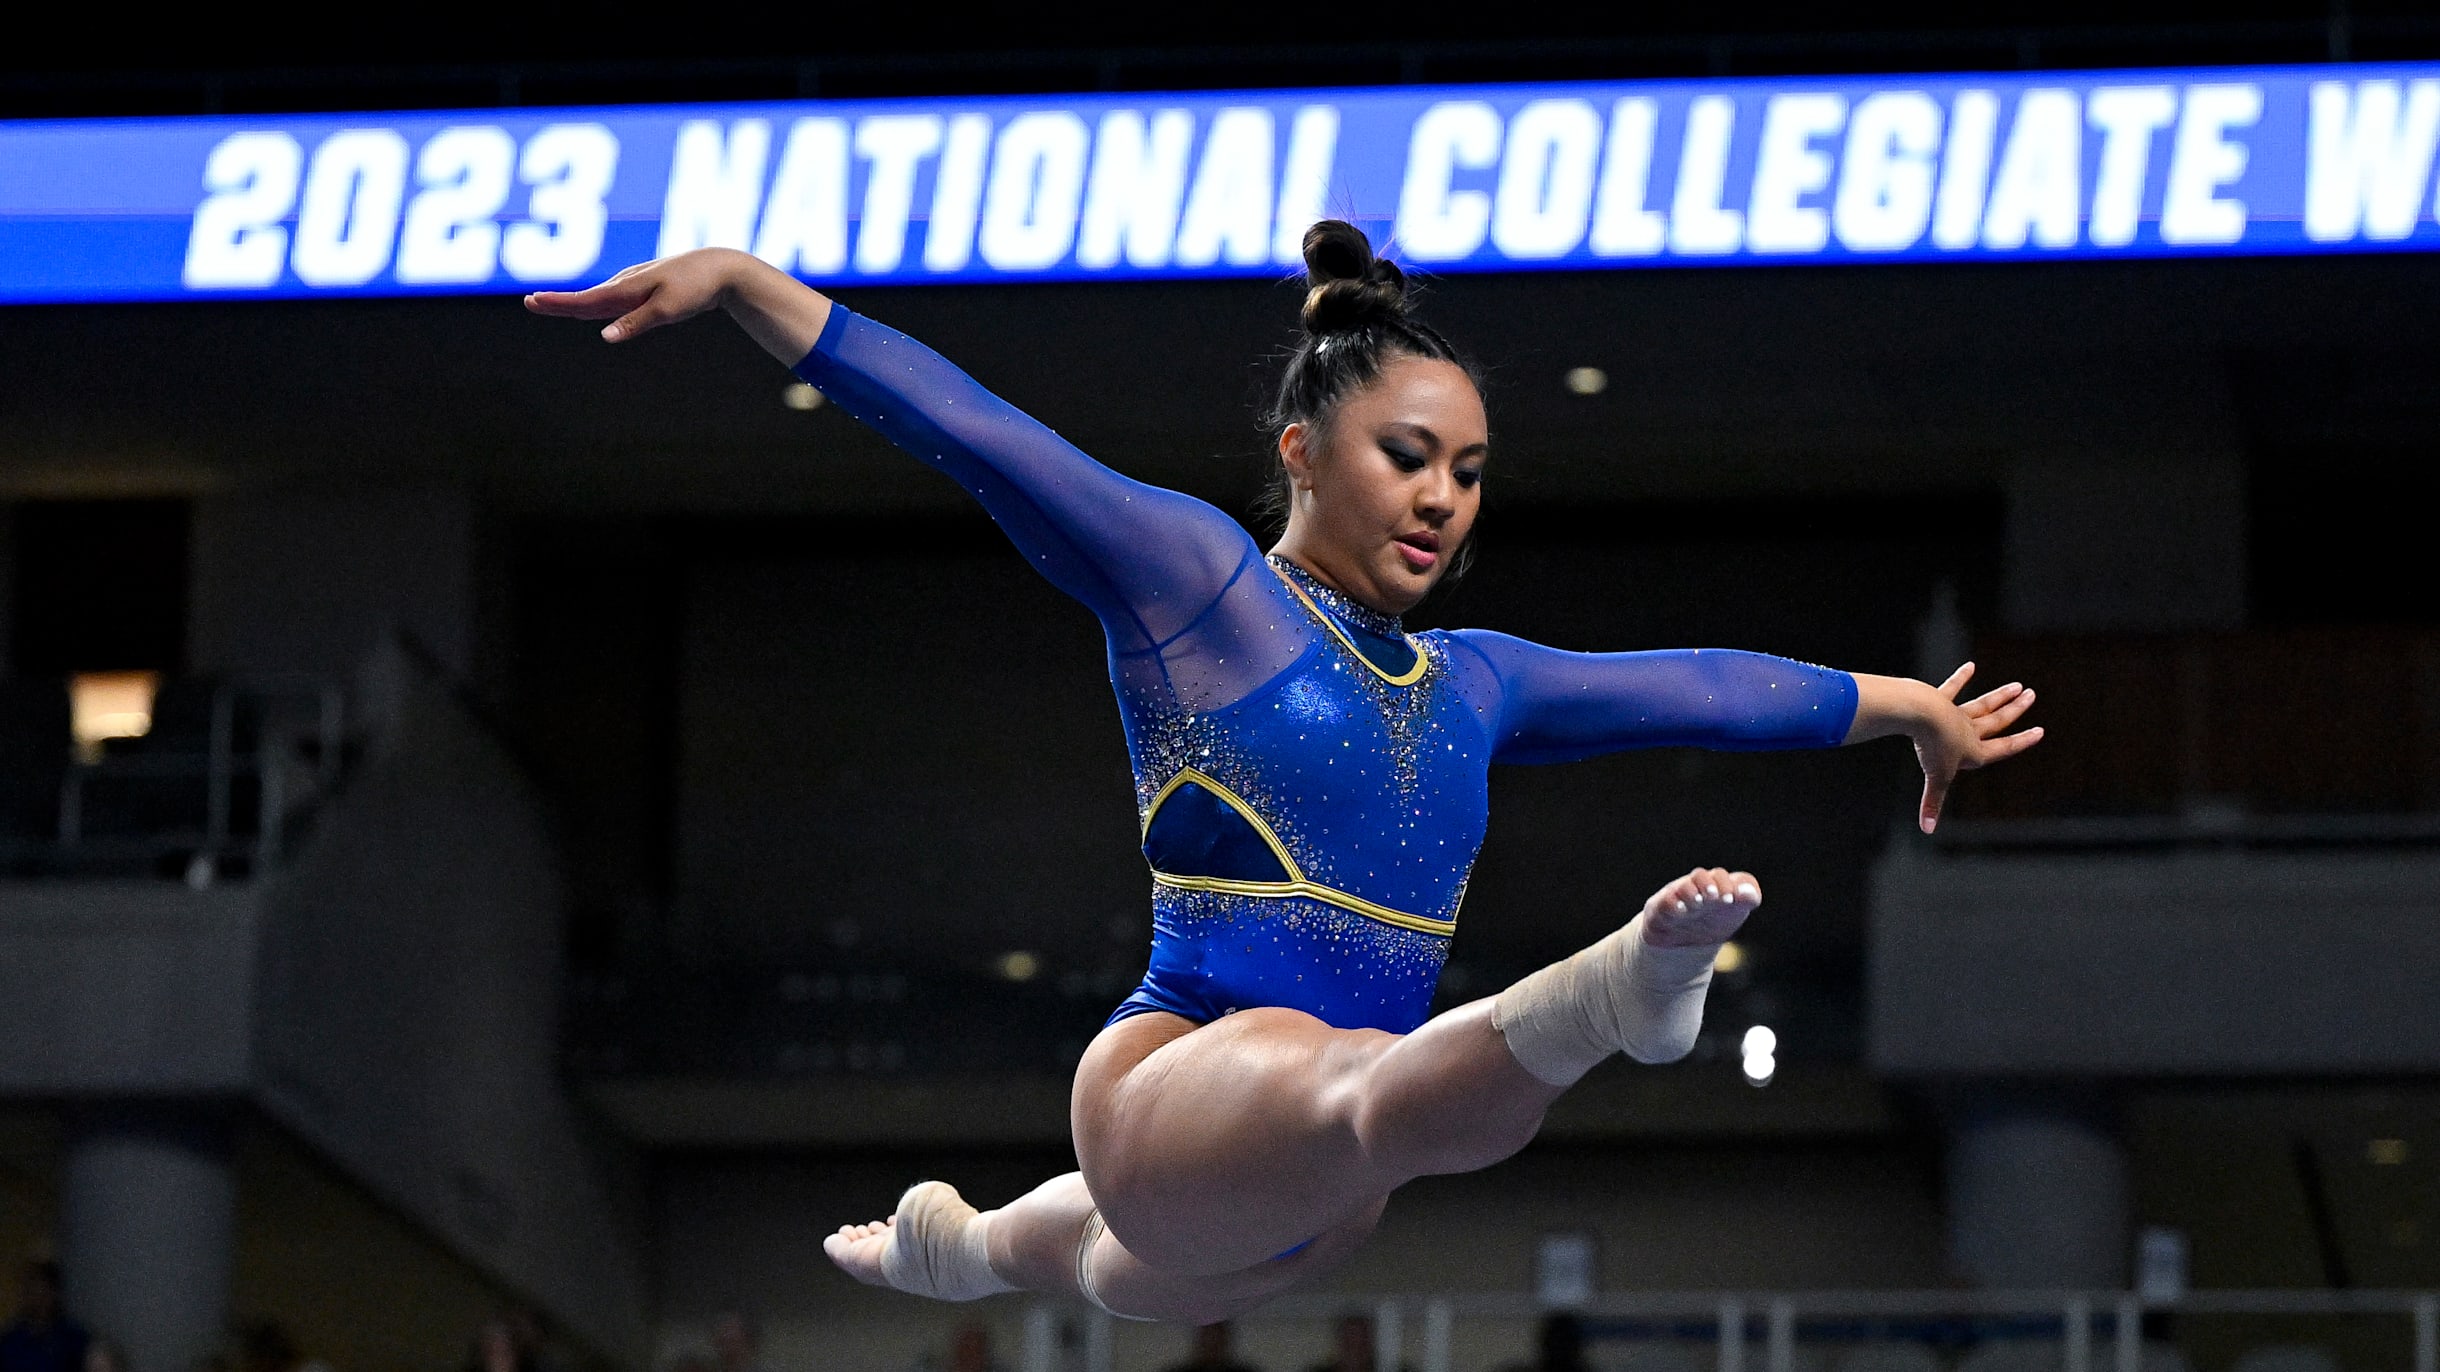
1357,316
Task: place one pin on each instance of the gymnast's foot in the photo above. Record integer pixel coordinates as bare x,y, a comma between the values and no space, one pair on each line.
1638,991
933,1247
1703,908
858,1249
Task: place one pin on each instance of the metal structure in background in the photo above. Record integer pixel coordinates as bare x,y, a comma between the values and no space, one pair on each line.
1763,1331
2340,37
273,748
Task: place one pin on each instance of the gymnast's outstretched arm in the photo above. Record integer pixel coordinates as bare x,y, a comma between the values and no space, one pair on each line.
1147,561
1555,706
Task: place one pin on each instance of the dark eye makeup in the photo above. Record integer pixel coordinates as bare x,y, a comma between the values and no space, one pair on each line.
1411,461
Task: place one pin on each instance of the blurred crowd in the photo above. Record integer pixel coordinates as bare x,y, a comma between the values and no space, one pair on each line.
735,1345
43,1337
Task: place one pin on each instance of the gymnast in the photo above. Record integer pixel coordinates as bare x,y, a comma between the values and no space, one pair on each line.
1312,783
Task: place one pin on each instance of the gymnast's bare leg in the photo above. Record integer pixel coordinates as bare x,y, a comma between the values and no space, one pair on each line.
1210,1151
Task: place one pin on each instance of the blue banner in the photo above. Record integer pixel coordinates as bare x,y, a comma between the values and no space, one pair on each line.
1454,179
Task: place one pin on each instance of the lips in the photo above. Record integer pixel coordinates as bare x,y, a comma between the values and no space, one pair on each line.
1420,549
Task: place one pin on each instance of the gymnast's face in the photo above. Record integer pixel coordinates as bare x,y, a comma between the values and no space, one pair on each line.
1384,494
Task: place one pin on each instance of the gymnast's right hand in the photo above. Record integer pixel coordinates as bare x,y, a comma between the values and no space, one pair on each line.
782,313
648,294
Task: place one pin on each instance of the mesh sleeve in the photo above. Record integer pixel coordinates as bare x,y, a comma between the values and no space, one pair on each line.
1147,561
1549,705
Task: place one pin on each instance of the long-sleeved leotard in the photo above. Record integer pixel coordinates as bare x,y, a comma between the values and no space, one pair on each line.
1312,781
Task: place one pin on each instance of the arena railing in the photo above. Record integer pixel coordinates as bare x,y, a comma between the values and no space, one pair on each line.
265,738
1764,1331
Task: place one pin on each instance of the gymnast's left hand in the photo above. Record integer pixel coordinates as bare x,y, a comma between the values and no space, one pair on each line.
1953,736
1950,735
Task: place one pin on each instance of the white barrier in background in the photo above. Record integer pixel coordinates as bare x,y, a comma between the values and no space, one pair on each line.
2119,1348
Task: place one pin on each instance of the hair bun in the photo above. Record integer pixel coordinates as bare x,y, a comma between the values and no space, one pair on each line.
1350,288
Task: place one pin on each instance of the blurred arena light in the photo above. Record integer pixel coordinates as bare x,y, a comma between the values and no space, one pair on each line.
1587,380
1760,1047
1730,958
108,705
799,396
1018,965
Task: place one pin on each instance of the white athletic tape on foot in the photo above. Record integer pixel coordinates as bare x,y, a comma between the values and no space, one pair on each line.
1619,996
938,1247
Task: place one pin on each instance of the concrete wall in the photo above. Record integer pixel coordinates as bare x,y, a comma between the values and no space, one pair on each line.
2149,964
8,588
359,1285
356,1283
392,998
308,580
409,997
2108,539
110,987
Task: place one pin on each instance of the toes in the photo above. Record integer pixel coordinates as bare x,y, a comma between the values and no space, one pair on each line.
1701,887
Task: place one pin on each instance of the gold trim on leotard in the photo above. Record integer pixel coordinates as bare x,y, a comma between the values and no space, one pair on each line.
1406,678
1297,883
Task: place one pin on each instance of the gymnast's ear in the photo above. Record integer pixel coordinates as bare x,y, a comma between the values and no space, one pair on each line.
1296,454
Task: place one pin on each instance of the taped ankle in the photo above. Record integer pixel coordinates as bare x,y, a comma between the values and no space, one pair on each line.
939,1247
1621,995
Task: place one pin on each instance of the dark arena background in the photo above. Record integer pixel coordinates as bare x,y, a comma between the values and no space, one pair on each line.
505,843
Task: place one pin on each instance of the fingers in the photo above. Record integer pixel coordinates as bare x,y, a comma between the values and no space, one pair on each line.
630,309
2001,749
1991,700
1935,794
1957,681
1998,720
609,299
619,295
635,321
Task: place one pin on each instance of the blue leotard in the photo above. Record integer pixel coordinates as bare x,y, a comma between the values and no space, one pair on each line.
1312,781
